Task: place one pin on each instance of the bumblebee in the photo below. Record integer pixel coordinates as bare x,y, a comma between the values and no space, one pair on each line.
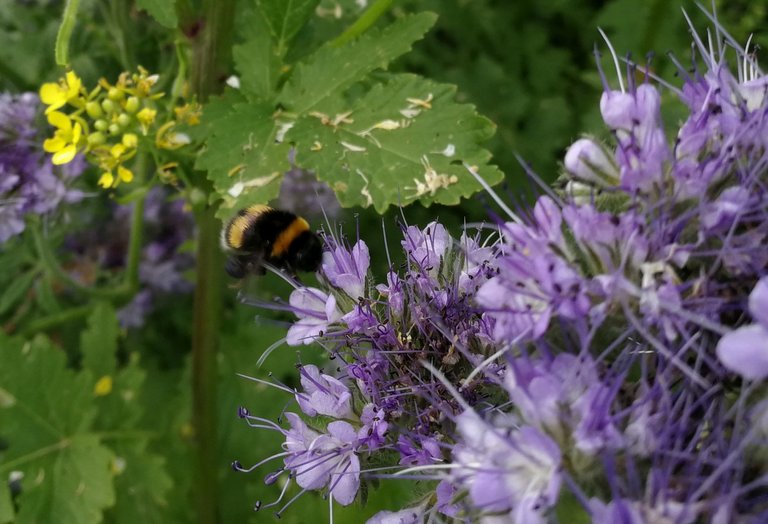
259,235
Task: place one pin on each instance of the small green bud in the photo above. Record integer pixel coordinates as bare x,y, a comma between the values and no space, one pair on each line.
197,197
114,94
93,109
108,106
123,120
96,139
132,104
114,129
101,125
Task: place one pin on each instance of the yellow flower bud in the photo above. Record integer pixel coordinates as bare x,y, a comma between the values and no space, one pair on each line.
101,125
93,109
108,106
132,104
123,120
130,140
115,94
114,129
96,139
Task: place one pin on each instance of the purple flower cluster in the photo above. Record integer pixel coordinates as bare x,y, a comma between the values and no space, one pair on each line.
167,227
29,182
608,348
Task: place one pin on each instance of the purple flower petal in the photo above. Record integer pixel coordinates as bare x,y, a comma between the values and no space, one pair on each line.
745,351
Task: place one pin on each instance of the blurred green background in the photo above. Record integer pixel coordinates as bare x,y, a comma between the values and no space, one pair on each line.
527,65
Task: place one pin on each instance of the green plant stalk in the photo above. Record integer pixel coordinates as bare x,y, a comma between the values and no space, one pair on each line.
65,32
209,66
133,258
118,294
362,24
56,319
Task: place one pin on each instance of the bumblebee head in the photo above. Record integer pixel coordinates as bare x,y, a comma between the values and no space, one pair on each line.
306,252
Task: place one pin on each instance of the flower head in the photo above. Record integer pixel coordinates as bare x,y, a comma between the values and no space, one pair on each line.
56,95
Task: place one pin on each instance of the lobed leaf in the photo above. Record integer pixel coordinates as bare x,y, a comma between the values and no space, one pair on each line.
403,141
66,471
331,70
285,18
163,11
243,159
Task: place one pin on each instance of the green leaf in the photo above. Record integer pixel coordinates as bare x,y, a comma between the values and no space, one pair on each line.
163,11
242,158
285,18
403,141
142,484
6,505
16,290
331,70
257,62
66,471
98,343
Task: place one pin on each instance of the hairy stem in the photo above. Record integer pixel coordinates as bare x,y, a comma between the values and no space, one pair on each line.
362,24
210,65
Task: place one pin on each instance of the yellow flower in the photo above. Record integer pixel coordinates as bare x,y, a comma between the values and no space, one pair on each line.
103,386
146,116
167,138
125,174
189,113
55,95
65,140
130,140
108,180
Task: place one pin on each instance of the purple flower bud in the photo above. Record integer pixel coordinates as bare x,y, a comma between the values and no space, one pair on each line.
588,161
758,302
745,351
405,516
426,247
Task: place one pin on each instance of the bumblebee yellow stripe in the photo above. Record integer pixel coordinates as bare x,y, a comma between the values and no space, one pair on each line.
284,239
240,223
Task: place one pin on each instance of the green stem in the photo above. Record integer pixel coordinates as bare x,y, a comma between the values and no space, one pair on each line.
362,24
133,258
205,342
65,32
56,319
210,65
53,269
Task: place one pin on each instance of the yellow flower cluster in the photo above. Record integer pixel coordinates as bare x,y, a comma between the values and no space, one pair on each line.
105,123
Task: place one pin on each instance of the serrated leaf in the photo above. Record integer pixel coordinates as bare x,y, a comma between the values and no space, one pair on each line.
242,157
403,141
6,505
285,18
98,342
142,484
164,11
257,62
66,471
44,295
331,70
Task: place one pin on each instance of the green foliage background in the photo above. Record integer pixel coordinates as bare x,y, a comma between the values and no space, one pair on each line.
527,68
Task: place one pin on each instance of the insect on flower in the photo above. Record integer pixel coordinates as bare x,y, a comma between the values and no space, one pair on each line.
259,235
